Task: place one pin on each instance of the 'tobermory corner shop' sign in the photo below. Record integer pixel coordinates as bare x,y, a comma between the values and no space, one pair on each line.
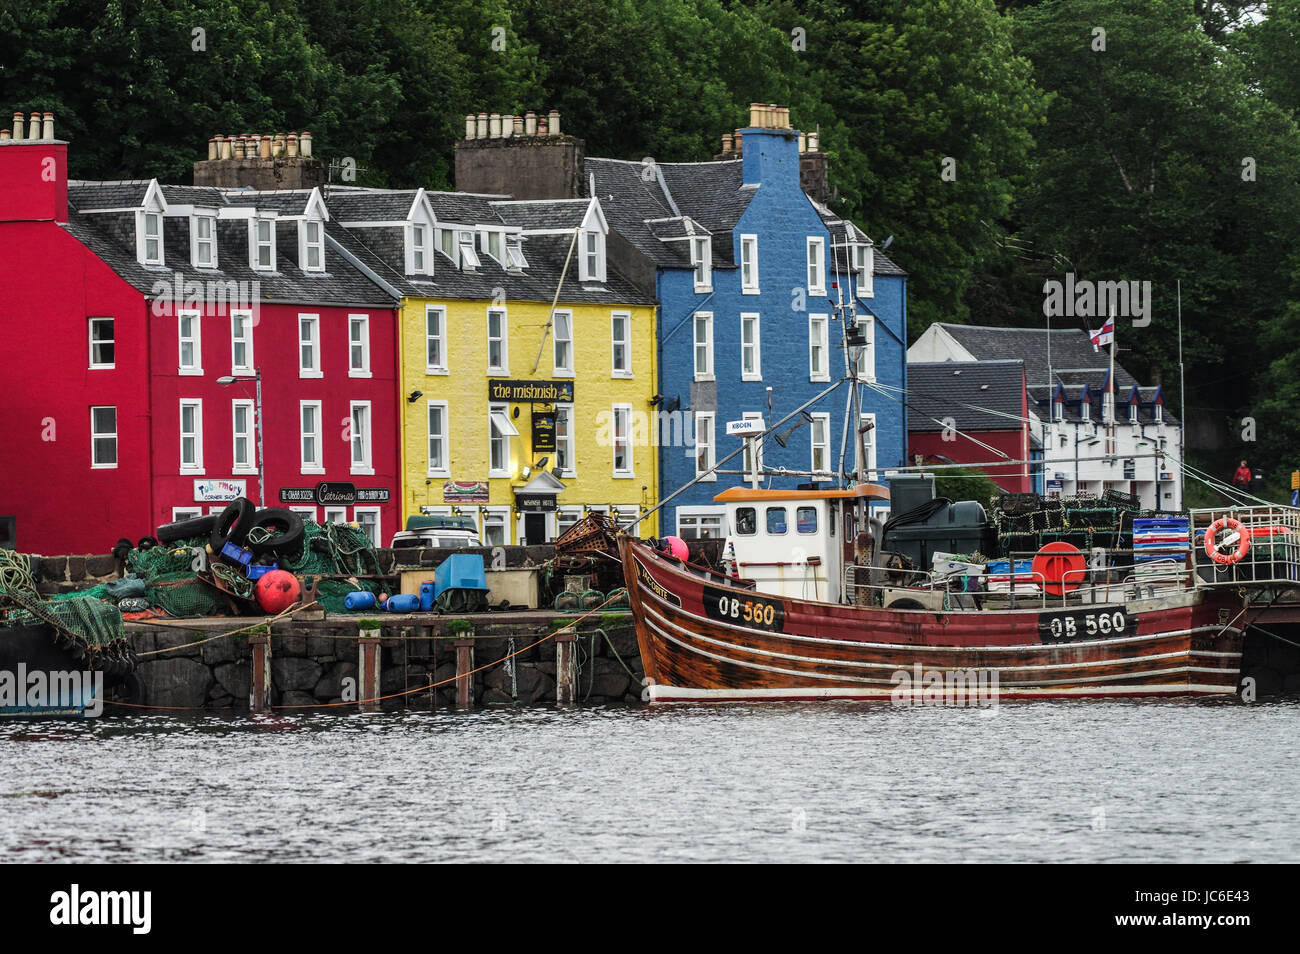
521,392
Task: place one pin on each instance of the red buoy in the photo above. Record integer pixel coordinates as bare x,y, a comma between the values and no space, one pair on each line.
277,591
677,547
1059,567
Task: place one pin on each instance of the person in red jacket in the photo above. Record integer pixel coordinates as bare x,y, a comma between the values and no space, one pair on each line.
1242,477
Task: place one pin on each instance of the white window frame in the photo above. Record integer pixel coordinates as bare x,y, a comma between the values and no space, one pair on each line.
195,340
366,465
91,322
569,440
1085,412
465,252
867,354
1058,410
143,220
503,368
755,347
313,321
198,242
515,260
614,370
819,339
441,338
379,530
307,513
1133,412
1158,413
563,370
490,237
702,319
591,257
316,465
864,271
824,446
362,321
570,515
506,433
630,470
495,514
248,466
702,263
698,513
246,340
306,246
331,511
749,265
443,439
195,466
705,436
103,436
872,448
186,513
255,245
419,248
819,243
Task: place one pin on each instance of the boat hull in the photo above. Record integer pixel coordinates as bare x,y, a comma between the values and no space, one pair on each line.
707,639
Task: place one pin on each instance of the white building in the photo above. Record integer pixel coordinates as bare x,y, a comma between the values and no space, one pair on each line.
1086,445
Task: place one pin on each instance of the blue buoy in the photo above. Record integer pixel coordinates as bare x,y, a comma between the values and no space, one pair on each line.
359,600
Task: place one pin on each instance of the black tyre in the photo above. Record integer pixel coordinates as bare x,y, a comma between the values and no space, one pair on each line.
233,524
147,543
287,528
185,529
906,602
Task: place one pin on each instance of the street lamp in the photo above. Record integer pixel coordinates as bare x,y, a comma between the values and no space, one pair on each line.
228,379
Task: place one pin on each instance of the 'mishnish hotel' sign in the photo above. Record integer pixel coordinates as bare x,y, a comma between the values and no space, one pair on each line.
524,391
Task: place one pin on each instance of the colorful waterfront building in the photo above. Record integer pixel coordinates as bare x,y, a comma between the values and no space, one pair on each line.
527,362
747,262
139,319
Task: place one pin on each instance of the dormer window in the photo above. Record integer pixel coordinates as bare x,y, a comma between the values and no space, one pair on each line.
492,245
592,261
312,254
203,241
261,236
1058,411
151,247
702,261
465,245
1133,413
863,259
1158,413
420,260
447,242
1085,411
515,260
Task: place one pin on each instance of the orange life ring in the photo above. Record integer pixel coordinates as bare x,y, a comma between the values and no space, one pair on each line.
1243,543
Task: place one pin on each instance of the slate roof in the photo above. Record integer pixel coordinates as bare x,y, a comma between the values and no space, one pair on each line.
111,236
542,214
1071,350
843,232
1040,397
629,201
365,205
937,390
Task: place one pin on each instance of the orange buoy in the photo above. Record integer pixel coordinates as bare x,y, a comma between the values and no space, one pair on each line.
277,591
1059,567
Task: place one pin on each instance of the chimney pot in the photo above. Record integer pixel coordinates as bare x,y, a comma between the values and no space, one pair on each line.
34,126
541,126
519,125
264,147
18,125
293,144
47,126
803,143
212,147
813,141
755,115
223,143
740,140
304,145
494,126
553,125
726,143
481,126
4,134
278,145
530,123
469,125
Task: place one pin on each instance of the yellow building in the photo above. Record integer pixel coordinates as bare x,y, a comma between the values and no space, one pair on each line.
521,413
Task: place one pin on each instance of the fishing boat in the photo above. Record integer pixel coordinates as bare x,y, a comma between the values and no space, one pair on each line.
802,615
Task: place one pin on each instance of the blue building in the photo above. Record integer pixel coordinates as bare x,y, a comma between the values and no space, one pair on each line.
746,267
746,261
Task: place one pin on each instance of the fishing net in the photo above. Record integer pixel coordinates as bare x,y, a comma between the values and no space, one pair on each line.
185,595
156,561
97,623
333,548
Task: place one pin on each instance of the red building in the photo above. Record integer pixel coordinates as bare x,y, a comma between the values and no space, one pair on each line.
126,302
972,412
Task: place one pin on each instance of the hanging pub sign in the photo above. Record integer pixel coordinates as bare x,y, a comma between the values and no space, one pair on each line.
334,493
524,392
543,431
465,491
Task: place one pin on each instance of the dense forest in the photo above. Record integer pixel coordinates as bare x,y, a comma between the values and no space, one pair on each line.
999,143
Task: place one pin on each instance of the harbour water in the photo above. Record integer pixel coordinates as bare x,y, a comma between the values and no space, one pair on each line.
1097,781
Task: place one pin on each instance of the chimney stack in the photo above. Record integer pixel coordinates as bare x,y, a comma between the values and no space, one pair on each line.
33,171
525,156
261,161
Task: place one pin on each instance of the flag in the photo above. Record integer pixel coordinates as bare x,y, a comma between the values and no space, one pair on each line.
1105,336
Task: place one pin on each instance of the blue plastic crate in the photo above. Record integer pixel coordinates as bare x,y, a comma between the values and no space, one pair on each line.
460,571
238,554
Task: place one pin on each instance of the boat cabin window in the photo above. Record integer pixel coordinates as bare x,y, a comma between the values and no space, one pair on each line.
746,521
776,520
806,520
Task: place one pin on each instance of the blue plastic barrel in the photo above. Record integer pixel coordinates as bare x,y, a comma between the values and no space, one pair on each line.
427,594
359,600
404,603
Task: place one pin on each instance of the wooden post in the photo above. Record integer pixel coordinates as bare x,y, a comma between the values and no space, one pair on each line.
368,673
259,692
566,676
464,681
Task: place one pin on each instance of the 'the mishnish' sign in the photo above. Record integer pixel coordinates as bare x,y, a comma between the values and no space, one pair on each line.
525,391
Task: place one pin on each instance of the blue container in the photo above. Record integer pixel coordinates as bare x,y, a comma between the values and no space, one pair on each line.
359,600
238,554
258,570
405,603
428,593
460,571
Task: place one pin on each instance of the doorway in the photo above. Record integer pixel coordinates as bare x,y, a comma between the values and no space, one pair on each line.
534,529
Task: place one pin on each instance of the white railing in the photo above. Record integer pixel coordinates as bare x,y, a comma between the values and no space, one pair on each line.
1272,546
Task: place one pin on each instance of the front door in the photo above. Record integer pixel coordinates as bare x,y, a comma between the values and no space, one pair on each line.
534,529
